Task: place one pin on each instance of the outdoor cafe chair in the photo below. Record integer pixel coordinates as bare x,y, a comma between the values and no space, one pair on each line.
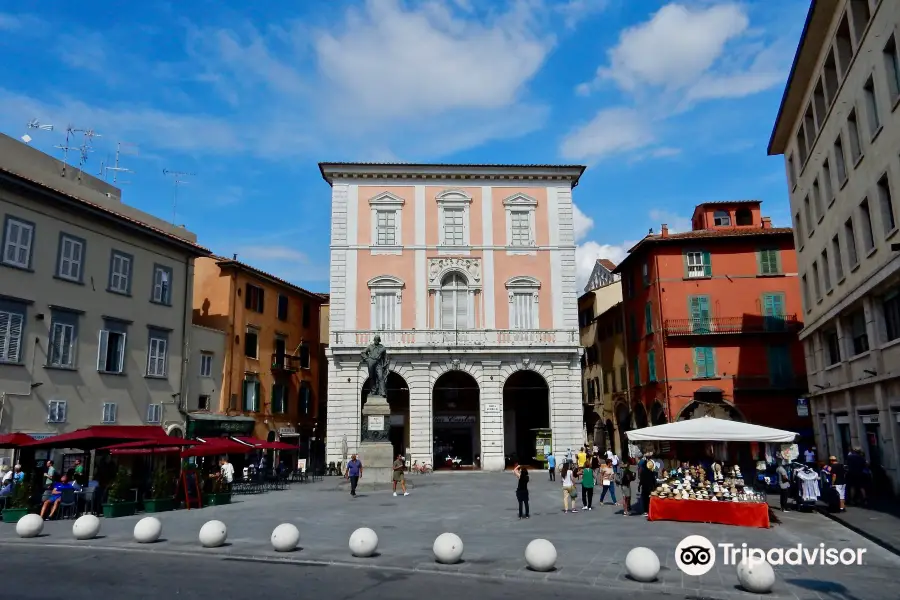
68,504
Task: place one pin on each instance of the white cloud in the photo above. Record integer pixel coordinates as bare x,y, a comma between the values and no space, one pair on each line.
675,47
610,131
680,56
586,256
575,11
583,223
285,262
677,223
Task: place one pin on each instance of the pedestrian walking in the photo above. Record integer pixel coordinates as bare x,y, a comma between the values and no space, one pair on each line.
568,486
582,458
522,491
353,473
588,479
626,478
838,479
647,483
858,475
551,464
607,480
569,457
398,476
784,485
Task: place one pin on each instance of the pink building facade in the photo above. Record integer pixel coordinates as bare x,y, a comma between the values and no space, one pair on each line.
467,272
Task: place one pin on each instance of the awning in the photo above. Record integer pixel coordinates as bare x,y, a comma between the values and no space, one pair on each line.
214,446
161,446
15,440
262,445
710,429
98,436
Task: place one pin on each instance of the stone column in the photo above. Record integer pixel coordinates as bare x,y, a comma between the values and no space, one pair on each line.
343,408
491,417
566,413
421,438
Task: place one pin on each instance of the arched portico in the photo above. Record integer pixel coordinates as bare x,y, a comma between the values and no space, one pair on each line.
398,401
526,409
456,416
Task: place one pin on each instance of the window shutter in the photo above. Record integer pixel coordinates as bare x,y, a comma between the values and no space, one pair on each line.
707,264
776,261
699,362
256,396
447,297
120,367
102,350
760,262
684,260
61,411
12,333
247,296
262,299
651,366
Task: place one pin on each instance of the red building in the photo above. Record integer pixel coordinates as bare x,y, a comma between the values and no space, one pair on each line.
711,322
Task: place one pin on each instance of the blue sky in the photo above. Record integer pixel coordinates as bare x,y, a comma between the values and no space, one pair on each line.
668,103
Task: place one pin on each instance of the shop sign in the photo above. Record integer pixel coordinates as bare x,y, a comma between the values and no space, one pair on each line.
870,419
286,431
802,407
454,419
842,419
492,409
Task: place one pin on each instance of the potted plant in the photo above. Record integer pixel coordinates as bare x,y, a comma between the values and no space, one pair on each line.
218,493
19,504
162,492
117,503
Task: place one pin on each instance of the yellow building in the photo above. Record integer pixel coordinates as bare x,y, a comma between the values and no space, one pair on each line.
615,399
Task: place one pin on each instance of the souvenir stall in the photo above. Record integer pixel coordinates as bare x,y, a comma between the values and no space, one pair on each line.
718,494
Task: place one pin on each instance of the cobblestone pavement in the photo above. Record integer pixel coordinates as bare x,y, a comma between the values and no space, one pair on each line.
480,508
879,522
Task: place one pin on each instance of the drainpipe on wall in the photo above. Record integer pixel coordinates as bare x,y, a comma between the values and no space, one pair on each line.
662,335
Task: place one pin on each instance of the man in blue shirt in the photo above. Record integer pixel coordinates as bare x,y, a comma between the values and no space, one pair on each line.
551,463
354,472
55,497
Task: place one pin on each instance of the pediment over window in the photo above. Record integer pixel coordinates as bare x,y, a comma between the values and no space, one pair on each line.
454,197
523,200
385,281
386,199
523,282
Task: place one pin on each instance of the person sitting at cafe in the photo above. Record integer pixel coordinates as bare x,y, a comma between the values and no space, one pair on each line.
55,497
7,488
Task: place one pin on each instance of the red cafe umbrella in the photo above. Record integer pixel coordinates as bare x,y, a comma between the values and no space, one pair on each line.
214,446
161,446
262,445
98,436
14,440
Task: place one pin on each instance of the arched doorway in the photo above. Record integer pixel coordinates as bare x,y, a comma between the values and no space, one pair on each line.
455,408
640,416
398,400
658,414
609,441
709,402
526,409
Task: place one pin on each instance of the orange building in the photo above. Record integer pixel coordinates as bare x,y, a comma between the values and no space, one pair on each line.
273,358
711,321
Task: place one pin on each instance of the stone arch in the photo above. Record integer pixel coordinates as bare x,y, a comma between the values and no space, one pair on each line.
399,402
456,417
723,410
526,408
658,414
640,417
438,369
526,364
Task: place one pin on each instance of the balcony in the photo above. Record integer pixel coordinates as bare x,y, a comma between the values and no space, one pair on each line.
285,363
478,338
732,325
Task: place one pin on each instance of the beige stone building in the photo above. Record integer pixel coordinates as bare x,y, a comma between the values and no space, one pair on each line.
596,399
839,130
95,302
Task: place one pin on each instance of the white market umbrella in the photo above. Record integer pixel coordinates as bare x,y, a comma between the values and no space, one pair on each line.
710,429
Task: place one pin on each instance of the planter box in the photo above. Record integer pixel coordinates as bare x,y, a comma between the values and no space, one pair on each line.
12,515
216,499
119,509
159,505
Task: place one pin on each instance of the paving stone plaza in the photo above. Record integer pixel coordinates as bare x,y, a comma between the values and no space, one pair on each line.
480,508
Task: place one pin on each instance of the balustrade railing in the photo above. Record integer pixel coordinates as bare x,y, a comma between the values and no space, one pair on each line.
405,338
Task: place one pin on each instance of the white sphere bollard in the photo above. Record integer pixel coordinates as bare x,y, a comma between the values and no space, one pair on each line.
30,526
285,538
147,530
86,527
213,534
642,564
756,575
540,555
363,542
448,548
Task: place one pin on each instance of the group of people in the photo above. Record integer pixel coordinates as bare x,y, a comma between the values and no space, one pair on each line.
591,469
354,472
842,481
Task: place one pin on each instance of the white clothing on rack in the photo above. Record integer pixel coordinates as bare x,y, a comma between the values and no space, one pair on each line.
809,485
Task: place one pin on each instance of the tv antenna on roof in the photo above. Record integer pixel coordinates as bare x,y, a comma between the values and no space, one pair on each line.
84,149
125,148
35,124
178,178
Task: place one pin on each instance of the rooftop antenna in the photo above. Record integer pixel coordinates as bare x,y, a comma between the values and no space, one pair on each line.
178,178
84,149
35,124
125,148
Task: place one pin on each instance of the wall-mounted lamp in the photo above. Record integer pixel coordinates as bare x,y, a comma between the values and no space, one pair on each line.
870,372
821,387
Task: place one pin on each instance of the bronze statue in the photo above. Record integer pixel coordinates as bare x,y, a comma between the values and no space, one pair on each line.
376,359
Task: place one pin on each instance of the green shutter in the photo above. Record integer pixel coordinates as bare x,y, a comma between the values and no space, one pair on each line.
648,318
700,318
637,371
633,326
699,362
684,260
651,366
707,264
780,369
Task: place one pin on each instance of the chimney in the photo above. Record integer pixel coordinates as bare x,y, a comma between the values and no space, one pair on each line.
767,222
664,231
235,257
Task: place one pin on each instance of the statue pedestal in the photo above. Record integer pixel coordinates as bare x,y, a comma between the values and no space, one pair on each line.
375,449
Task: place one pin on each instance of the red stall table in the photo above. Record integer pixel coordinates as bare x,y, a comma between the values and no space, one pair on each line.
742,514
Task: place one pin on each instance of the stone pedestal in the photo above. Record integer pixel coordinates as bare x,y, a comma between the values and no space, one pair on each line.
375,450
